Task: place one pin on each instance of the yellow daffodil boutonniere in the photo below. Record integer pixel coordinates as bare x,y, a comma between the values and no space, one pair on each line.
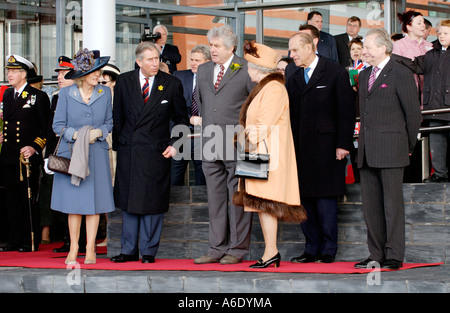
100,91
24,94
235,67
160,88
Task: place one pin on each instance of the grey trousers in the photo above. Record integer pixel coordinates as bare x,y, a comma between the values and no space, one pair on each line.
438,149
229,225
384,212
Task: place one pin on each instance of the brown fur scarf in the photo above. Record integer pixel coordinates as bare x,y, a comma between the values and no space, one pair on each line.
274,76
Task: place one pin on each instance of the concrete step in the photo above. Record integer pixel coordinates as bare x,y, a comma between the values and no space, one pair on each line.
418,280
185,236
185,232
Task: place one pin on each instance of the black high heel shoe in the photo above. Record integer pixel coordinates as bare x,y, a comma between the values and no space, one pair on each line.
275,260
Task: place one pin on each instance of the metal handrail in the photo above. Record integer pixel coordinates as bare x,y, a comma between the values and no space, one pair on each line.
424,140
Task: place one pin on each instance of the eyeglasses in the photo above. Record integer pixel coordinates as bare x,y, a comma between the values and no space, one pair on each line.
104,82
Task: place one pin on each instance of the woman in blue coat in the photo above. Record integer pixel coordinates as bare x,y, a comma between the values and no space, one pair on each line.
85,103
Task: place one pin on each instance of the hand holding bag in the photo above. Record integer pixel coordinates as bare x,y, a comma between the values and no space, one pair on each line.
57,163
252,165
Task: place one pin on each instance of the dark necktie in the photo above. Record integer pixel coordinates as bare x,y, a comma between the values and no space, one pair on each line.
372,77
194,105
16,96
219,77
146,90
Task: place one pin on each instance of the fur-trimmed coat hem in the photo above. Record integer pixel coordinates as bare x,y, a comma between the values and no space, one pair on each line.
282,211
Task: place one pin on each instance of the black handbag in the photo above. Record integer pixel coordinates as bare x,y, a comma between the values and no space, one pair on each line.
57,163
252,165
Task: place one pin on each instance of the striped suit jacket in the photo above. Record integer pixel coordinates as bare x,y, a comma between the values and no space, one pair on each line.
390,117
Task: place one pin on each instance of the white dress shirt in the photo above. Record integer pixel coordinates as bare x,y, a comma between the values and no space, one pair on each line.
217,68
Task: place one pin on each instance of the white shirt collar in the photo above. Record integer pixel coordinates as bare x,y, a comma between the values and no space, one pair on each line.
21,89
382,65
226,64
313,65
142,79
217,68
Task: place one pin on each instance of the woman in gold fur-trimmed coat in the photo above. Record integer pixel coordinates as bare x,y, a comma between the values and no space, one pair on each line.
266,121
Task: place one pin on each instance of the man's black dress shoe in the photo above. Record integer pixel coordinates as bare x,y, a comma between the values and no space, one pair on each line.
325,258
121,258
9,248
26,249
435,179
148,259
363,264
64,248
304,258
392,264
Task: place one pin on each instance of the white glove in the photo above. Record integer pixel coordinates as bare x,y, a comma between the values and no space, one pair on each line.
49,172
94,134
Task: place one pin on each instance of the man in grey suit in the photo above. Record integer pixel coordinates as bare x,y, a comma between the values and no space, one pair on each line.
223,85
390,121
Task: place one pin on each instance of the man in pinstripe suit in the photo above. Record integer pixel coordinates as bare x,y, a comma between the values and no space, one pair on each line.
390,121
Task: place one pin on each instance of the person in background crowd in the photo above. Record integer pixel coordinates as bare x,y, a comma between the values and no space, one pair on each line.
266,123
50,217
282,63
326,46
395,37
428,27
142,139
35,80
109,76
25,117
322,111
169,53
413,45
222,87
355,48
390,121
83,118
199,55
352,29
163,67
435,65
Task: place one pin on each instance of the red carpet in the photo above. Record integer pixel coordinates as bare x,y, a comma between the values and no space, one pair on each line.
45,258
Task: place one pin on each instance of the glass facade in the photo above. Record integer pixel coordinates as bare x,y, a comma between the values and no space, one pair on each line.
42,30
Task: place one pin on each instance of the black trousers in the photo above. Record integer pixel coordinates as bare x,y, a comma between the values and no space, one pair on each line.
18,207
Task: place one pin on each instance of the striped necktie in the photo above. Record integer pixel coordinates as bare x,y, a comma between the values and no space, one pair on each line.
219,77
372,77
194,105
146,90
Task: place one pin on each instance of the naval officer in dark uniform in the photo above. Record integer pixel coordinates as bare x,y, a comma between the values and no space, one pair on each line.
25,114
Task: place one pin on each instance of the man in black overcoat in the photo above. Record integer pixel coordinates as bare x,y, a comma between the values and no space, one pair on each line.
145,101
323,119
169,53
25,115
